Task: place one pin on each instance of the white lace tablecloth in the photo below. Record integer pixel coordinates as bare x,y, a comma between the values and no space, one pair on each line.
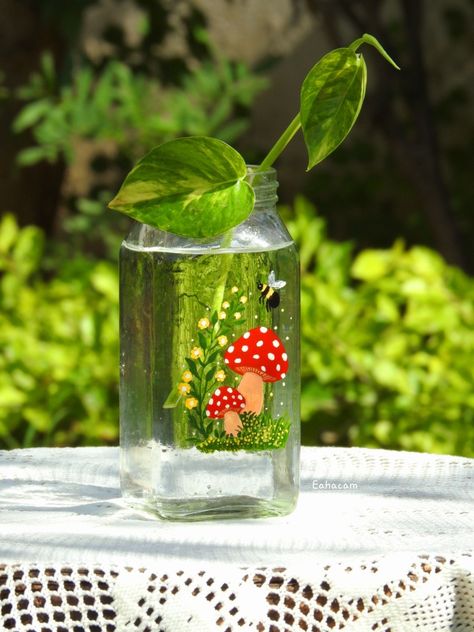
380,540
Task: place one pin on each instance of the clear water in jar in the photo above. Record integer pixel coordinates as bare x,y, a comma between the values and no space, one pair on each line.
185,469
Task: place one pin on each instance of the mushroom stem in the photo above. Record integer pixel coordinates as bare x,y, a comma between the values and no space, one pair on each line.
251,387
232,423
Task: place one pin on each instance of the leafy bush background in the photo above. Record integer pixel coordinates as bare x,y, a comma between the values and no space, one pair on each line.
387,344
58,345
387,334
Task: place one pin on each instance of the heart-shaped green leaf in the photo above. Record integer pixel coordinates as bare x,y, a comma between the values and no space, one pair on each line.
331,99
191,186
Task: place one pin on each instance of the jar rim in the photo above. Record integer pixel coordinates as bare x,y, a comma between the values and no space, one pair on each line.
252,170
264,184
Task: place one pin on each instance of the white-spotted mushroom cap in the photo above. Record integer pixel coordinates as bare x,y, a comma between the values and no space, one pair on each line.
225,399
259,351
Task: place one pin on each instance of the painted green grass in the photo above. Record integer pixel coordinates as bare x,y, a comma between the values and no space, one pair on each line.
259,432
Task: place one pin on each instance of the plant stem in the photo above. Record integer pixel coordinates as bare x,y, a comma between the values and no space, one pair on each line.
268,161
281,143
220,289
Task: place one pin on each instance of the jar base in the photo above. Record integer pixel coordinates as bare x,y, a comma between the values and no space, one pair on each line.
223,508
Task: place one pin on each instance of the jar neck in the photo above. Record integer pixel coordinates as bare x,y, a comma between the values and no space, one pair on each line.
265,185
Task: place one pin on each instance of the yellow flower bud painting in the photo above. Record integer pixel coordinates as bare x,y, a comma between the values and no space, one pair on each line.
191,403
204,323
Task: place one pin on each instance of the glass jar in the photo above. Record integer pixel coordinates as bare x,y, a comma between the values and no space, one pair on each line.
210,368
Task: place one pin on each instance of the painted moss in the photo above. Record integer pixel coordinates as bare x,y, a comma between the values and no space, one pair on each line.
259,432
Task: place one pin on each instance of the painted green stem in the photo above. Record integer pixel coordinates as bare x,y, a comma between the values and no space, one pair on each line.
220,289
281,143
174,397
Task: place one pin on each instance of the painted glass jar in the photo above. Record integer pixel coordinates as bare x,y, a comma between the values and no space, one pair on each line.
210,368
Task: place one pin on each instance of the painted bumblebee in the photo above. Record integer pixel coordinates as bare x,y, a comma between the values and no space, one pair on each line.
268,291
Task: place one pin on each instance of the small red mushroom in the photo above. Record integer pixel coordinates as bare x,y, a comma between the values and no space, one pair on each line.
259,355
226,402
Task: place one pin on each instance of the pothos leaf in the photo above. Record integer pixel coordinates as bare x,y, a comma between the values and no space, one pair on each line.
193,187
373,41
331,98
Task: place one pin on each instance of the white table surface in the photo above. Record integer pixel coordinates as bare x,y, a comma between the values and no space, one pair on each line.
399,511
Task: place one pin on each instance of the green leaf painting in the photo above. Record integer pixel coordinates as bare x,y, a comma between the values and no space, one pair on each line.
331,99
192,187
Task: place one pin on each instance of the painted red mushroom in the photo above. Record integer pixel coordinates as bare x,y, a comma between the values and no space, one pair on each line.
259,355
226,403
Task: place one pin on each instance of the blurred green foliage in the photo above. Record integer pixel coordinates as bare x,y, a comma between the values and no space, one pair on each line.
387,344
122,114
58,345
387,335
59,311
134,111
